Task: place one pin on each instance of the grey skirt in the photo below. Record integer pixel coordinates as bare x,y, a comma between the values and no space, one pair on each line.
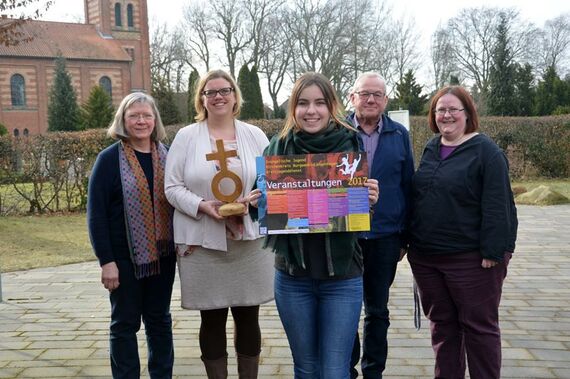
213,279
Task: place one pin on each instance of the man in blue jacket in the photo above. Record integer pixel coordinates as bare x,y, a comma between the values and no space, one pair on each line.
390,161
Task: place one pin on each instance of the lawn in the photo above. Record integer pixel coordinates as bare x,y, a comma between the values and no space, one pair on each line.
43,241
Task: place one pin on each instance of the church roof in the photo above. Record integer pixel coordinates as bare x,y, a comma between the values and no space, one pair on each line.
75,41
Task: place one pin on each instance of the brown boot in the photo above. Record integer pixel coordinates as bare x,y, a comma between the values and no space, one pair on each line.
216,368
247,366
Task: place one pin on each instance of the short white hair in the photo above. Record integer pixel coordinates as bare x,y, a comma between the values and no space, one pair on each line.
368,74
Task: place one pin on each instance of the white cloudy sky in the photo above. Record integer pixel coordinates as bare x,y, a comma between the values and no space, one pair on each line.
427,14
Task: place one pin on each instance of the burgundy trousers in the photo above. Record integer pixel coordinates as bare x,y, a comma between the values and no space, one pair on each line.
461,301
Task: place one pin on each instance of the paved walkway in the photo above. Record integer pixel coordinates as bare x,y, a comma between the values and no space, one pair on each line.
54,321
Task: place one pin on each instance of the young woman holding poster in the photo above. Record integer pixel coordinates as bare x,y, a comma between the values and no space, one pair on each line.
318,278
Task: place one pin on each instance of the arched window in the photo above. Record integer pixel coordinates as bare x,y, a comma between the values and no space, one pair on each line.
18,90
26,132
105,83
16,132
130,18
118,21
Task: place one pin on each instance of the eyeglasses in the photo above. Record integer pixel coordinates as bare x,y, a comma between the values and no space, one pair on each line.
451,111
136,116
366,95
214,92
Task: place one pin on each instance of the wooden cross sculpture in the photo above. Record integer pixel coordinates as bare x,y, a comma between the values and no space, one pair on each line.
221,155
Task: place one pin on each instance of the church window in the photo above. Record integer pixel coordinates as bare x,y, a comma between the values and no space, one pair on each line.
118,21
130,18
105,83
18,90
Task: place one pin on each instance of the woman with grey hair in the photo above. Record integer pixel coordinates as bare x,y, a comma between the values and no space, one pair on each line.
130,227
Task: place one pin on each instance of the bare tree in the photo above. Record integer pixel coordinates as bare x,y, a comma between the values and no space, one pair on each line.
406,50
274,64
321,32
259,12
555,44
198,33
370,39
441,54
230,29
473,36
168,58
17,13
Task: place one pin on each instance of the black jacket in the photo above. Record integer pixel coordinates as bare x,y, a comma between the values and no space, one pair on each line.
463,203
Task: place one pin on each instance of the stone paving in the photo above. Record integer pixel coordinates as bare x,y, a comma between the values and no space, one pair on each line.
54,321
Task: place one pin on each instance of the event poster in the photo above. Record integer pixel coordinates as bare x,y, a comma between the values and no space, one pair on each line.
313,193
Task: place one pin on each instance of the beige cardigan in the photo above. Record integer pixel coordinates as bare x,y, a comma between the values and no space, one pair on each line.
188,178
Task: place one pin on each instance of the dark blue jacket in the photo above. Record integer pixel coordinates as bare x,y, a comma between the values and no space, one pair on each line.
393,167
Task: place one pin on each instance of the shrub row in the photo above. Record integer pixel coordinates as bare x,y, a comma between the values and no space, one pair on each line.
535,146
49,172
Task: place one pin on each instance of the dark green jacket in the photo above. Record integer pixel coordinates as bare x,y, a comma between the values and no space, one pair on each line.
340,247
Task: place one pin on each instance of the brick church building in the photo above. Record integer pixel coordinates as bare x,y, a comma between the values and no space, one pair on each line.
110,49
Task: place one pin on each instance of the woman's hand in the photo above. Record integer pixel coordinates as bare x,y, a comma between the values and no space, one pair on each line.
373,190
210,208
253,197
110,276
488,263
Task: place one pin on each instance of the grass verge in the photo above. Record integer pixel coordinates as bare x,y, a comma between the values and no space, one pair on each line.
43,241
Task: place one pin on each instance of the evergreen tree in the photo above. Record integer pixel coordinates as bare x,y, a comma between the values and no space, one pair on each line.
63,111
257,98
500,99
550,93
166,104
98,111
524,93
192,83
454,80
409,94
248,81
244,83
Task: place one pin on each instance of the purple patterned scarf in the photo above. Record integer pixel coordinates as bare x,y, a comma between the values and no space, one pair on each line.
148,219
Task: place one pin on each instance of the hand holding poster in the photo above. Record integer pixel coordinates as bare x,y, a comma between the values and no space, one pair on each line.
313,193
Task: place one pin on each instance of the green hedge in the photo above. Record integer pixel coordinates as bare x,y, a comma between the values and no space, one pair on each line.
535,146
49,172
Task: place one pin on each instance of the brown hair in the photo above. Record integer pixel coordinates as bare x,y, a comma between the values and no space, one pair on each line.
331,99
468,106
201,111
117,129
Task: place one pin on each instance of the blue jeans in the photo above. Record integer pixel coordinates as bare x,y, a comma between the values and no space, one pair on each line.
381,257
147,299
320,318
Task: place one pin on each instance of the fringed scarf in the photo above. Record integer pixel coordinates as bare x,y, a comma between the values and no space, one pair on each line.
148,219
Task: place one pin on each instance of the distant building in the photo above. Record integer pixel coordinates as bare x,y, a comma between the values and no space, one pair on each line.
111,50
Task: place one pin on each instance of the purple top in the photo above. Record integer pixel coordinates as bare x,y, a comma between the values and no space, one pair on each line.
445,151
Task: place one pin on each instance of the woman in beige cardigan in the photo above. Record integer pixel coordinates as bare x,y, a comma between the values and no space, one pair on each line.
222,264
